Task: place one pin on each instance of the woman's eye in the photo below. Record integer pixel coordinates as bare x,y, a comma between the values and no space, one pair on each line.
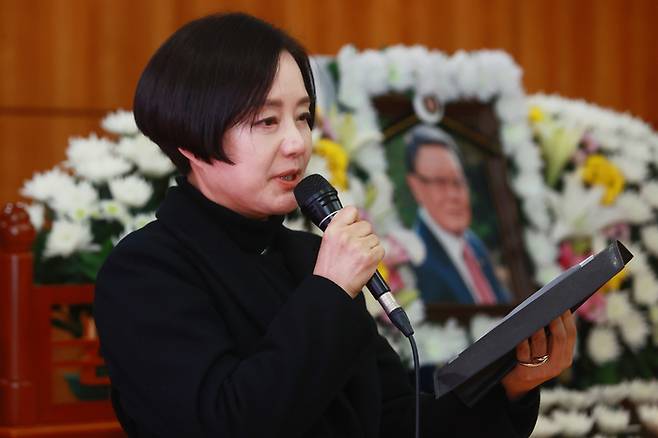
306,117
268,121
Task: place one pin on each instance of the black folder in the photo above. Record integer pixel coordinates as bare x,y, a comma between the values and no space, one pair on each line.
481,366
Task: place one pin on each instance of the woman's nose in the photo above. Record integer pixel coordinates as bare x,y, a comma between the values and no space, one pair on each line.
294,139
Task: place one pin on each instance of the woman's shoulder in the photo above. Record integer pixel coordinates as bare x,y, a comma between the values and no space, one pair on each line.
150,247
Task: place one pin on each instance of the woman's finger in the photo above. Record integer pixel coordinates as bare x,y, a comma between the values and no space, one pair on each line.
538,346
558,344
523,351
360,228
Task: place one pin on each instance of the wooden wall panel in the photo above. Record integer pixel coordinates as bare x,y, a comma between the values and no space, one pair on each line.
63,63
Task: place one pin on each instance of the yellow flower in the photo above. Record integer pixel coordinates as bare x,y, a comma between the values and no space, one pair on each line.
383,270
598,170
536,114
615,282
337,161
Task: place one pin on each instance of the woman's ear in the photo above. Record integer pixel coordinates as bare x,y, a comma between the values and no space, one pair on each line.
189,155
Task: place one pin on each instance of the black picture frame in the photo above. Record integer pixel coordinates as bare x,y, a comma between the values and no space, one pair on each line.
475,124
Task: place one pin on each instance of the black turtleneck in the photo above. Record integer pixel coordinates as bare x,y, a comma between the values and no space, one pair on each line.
257,238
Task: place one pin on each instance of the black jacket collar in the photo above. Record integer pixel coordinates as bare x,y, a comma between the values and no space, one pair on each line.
198,226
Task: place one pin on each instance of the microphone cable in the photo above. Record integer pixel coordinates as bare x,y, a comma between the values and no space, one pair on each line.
414,352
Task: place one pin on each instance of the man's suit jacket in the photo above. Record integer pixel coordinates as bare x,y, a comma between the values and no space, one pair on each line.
439,281
198,344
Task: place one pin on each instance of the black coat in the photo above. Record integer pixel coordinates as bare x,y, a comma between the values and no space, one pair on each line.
198,344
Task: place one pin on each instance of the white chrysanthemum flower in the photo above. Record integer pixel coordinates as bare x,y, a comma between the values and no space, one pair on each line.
618,307
67,237
649,235
576,400
134,223
370,155
113,210
573,423
649,417
649,192
358,191
439,343
37,213
45,185
547,273
536,210
373,66
465,73
481,325
382,204
640,262
633,170
602,345
85,149
634,330
318,164
131,190
120,122
512,109
544,249
550,397
411,242
142,219
434,77
643,391
528,184
146,155
76,202
610,420
610,394
545,427
103,169
515,134
416,312
400,67
645,289
634,207
653,314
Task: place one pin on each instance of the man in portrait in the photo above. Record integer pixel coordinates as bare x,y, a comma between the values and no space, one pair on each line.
457,267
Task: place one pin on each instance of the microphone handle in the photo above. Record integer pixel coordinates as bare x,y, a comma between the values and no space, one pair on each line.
377,285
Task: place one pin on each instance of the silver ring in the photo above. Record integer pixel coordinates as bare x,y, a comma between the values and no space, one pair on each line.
536,361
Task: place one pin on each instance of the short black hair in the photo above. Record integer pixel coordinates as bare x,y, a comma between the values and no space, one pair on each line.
426,135
211,74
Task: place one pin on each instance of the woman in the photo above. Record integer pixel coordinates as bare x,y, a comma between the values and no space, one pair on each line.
215,320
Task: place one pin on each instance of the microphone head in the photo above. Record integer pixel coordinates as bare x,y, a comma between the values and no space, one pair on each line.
317,199
310,187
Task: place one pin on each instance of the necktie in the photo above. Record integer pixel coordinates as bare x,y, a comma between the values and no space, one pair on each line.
481,285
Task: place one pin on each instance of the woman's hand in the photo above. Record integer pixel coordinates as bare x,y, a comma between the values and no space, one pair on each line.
350,252
559,347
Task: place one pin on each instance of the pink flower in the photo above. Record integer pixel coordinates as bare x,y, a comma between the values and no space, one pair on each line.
619,231
395,280
396,254
567,257
593,309
591,145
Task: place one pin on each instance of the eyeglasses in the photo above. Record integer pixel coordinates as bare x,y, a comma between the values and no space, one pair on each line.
442,183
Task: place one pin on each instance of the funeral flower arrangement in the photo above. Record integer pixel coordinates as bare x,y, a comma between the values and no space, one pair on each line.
600,169
624,409
83,206
347,85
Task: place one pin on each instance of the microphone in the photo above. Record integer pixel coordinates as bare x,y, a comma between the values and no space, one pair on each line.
319,202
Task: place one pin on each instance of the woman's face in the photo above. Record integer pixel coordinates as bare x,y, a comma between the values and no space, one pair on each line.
270,153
